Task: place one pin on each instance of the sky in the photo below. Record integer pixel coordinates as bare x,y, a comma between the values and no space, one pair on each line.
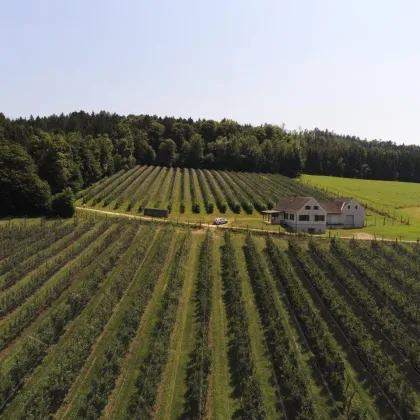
352,67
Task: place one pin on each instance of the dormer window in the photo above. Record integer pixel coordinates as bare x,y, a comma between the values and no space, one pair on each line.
356,207
307,207
316,207
348,207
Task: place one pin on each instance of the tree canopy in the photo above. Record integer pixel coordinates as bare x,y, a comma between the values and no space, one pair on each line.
76,150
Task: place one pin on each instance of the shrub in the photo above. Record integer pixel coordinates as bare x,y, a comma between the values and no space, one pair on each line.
63,203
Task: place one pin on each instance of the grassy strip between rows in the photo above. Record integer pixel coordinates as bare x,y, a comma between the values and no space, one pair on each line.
30,354
44,392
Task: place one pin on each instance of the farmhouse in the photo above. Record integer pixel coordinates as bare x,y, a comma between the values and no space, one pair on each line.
306,214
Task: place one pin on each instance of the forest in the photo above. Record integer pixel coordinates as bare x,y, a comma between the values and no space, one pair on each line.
44,160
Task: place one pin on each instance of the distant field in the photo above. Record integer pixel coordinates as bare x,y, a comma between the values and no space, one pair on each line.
118,319
393,208
397,195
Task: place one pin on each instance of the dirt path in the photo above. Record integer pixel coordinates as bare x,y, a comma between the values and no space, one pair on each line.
359,235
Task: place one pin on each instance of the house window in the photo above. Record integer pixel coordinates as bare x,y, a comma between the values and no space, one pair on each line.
291,217
316,207
307,207
304,218
356,207
319,218
348,207
286,216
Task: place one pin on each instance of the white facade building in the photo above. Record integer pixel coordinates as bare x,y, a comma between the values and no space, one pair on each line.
306,214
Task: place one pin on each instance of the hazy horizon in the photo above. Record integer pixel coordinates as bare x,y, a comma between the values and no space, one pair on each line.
350,68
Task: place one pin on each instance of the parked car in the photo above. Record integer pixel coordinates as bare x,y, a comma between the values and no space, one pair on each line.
219,221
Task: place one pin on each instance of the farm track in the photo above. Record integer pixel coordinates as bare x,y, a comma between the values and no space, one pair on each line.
210,226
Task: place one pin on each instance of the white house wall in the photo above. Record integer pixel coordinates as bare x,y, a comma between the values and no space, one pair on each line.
359,214
317,226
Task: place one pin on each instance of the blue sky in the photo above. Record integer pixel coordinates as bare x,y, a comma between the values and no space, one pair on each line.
349,66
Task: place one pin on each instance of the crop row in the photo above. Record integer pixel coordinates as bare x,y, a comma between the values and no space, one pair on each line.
200,361
399,267
293,387
194,191
16,321
390,324
44,393
322,343
112,186
40,251
98,188
131,188
382,283
152,185
251,191
150,374
33,349
243,365
116,192
381,366
25,237
15,295
205,192
123,327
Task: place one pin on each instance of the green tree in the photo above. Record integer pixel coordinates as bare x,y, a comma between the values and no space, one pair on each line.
167,152
196,151
21,190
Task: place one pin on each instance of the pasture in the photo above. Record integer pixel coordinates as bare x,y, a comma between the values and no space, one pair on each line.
393,208
118,319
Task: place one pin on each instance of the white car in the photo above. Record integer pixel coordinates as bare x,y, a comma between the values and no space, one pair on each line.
219,221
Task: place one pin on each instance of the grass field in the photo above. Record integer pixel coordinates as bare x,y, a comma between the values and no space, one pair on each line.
393,208
133,320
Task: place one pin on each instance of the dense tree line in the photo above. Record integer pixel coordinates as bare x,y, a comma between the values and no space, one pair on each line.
42,157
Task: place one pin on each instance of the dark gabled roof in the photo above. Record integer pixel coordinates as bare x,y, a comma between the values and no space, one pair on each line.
335,206
291,203
296,203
